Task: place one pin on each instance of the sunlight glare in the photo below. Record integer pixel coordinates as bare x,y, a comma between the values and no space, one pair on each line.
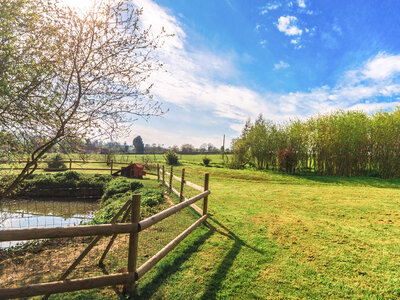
80,6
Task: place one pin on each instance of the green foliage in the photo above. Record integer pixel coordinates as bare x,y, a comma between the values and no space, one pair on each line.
151,197
206,161
171,158
119,191
110,207
69,179
56,164
343,143
119,186
240,154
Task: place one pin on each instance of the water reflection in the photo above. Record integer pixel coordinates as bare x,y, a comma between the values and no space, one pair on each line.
43,213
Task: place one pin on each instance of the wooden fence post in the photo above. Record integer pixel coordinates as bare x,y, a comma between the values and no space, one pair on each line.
70,164
112,166
163,174
170,179
182,184
205,203
158,172
133,243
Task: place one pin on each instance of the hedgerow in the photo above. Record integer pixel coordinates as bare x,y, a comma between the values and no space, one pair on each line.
343,143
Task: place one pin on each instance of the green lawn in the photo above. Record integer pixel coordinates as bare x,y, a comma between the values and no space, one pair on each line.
275,235
272,235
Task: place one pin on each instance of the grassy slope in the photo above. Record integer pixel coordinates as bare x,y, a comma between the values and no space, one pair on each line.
274,235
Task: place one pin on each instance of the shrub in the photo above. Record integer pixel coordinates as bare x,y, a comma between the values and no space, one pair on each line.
70,179
70,175
287,159
109,209
56,164
151,198
119,186
206,161
171,158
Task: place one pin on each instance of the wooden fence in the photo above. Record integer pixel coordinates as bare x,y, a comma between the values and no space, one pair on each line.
69,163
128,279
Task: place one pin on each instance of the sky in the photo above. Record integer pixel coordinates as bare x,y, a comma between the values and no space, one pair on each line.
230,60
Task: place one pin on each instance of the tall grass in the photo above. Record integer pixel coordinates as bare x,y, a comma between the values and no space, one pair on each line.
343,143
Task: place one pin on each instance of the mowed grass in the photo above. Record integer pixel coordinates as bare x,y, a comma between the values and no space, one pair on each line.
272,235
276,235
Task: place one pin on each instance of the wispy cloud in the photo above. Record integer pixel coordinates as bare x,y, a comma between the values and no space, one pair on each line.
281,65
288,25
337,29
268,7
301,3
382,66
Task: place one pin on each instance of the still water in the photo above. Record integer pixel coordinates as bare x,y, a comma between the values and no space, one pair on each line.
43,213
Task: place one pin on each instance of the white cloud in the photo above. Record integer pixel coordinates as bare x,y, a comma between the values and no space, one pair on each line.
281,65
382,66
288,25
374,107
158,18
301,3
270,6
195,81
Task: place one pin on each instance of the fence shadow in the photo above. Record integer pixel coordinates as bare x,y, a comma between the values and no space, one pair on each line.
147,291
166,270
119,293
223,268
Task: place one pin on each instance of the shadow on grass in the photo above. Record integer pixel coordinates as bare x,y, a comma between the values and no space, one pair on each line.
167,269
215,282
119,294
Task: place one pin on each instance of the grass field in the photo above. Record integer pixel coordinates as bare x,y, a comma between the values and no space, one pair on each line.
273,235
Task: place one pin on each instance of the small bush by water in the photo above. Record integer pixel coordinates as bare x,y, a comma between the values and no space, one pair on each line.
118,191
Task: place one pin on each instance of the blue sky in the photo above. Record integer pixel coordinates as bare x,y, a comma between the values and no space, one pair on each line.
230,60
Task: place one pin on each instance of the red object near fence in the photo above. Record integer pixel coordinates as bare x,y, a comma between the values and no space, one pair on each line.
133,171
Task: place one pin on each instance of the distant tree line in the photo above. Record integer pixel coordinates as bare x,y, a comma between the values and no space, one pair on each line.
343,143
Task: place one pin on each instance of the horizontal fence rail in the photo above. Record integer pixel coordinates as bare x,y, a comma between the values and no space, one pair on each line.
135,226
164,251
64,232
66,286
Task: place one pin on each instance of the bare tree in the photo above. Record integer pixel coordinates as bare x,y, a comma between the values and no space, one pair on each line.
92,77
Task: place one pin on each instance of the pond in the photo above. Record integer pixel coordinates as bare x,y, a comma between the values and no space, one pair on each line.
43,213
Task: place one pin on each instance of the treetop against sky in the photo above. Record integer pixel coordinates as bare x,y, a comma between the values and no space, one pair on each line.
233,59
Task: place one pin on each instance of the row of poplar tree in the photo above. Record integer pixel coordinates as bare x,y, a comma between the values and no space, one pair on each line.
343,143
